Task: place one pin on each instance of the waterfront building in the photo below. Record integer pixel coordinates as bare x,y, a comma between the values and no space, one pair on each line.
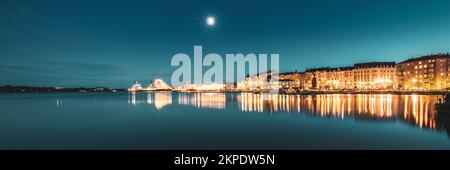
315,78
337,78
261,81
309,81
211,87
424,73
329,78
374,76
362,76
288,84
292,80
202,87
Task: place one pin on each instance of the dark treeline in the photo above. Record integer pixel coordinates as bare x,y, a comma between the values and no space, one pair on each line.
9,88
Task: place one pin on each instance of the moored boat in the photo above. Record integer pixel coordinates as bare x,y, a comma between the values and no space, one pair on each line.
136,87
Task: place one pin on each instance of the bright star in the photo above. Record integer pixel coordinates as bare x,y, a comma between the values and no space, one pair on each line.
210,21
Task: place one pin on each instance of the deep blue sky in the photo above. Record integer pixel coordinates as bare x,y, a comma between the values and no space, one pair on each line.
112,43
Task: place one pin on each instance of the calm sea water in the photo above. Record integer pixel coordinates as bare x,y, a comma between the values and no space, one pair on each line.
165,120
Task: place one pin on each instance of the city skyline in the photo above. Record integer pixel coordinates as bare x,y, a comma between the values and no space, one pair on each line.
69,44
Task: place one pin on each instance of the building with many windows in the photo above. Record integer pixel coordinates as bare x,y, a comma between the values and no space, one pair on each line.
292,80
424,73
329,78
362,76
374,76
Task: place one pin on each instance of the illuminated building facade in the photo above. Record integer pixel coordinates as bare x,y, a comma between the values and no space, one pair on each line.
315,78
424,73
261,81
374,76
362,76
335,79
201,87
292,81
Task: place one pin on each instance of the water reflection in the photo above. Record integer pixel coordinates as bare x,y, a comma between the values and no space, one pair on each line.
337,105
203,100
58,102
160,99
417,110
414,109
132,98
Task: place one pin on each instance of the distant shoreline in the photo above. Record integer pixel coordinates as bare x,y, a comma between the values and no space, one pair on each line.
301,93
377,92
399,92
29,89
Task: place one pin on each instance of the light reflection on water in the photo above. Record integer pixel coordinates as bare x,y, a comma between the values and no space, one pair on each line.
239,120
417,110
203,100
159,99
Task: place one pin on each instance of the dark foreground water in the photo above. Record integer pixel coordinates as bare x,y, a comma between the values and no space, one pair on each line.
164,120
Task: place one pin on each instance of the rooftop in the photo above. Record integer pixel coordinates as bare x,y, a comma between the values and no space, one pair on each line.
374,64
329,69
427,57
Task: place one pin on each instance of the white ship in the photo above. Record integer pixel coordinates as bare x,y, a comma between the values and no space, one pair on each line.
136,87
158,85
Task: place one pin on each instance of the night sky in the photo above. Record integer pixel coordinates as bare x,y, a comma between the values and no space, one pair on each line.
112,43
